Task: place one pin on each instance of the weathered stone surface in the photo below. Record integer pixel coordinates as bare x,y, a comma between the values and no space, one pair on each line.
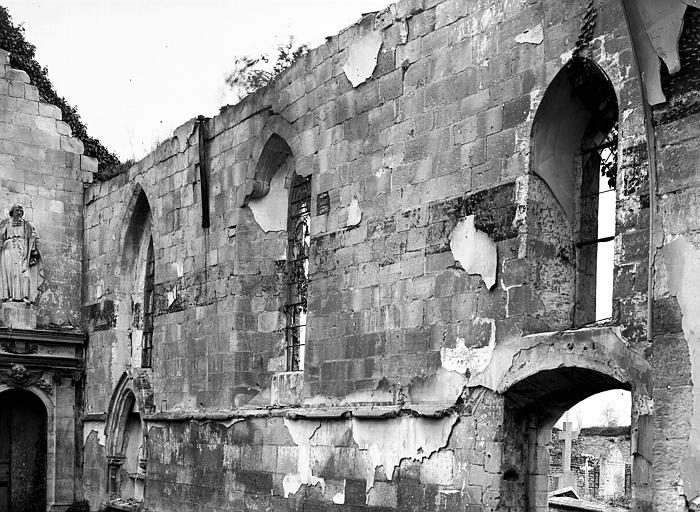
419,377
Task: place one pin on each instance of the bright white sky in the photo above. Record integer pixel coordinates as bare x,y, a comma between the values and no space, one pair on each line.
589,412
137,69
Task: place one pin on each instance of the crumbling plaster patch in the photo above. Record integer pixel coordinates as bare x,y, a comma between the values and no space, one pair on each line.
388,442
474,250
682,262
301,431
362,58
270,212
443,387
354,213
532,35
468,360
663,22
656,27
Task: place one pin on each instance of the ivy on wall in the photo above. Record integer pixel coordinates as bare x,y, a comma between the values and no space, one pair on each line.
22,57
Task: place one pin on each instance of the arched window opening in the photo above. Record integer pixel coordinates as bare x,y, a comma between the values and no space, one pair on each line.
147,352
574,153
596,234
299,238
138,277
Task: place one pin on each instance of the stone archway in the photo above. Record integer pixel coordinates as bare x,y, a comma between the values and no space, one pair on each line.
23,452
541,377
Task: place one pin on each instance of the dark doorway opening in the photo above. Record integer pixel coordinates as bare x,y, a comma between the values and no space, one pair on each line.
23,421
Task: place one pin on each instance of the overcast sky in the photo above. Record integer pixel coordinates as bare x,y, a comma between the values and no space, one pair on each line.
137,69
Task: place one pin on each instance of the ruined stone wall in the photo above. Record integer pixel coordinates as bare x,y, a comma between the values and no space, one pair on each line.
424,236
676,265
268,462
43,169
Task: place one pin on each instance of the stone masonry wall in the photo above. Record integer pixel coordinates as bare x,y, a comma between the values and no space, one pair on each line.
42,168
412,190
267,462
432,146
676,266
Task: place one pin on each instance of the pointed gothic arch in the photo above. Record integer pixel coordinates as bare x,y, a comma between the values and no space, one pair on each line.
137,276
127,435
573,171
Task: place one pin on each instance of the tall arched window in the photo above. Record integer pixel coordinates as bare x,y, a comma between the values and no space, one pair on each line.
138,275
147,351
596,234
574,152
299,237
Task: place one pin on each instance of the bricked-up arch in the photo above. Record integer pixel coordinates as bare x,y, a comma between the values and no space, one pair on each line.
137,279
574,165
544,380
127,434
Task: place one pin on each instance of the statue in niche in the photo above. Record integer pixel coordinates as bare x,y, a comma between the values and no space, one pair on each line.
21,266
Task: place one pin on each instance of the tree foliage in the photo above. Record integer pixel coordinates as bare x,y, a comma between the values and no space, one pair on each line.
252,73
22,55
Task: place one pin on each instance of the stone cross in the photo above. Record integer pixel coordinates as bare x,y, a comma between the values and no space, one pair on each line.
568,476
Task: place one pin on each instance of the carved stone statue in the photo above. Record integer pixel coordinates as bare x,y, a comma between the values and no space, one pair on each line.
21,266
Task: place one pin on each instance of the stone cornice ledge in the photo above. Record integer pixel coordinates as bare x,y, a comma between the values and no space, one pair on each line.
332,412
46,336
